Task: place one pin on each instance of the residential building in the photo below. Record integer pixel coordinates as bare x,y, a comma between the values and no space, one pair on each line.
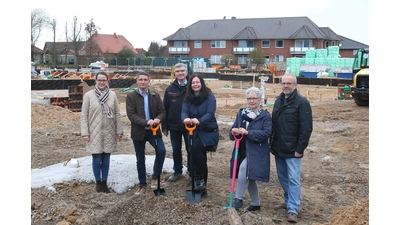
63,51
103,47
279,38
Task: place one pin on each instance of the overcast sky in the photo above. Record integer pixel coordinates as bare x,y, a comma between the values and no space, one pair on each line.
142,22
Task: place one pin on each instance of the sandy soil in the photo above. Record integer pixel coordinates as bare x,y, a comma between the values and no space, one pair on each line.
335,171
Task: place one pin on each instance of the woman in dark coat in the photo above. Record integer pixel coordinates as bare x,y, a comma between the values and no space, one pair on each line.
198,108
255,124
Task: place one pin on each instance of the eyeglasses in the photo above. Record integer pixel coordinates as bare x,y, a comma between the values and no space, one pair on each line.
287,84
252,99
102,81
177,71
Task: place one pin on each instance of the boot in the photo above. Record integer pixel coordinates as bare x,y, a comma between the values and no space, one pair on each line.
104,187
98,186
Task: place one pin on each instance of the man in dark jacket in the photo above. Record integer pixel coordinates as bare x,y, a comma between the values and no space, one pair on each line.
291,131
173,99
144,109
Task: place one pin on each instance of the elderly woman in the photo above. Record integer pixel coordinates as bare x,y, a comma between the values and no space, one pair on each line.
255,124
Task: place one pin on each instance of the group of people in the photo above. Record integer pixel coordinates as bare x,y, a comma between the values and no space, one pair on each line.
189,102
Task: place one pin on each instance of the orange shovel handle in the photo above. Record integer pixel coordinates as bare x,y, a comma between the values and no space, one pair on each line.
190,129
154,128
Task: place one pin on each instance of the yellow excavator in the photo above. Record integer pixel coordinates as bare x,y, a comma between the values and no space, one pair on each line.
360,88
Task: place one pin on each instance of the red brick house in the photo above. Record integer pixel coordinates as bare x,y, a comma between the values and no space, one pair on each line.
279,39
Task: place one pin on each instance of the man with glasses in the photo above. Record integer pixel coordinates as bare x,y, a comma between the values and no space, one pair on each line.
291,131
173,99
144,108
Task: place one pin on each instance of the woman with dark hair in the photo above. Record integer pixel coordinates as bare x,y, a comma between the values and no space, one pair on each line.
198,108
101,126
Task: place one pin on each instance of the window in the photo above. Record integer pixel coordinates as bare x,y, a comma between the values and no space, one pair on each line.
218,44
197,56
265,43
333,43
266,59
278,43
246,43
242,59
303,43
197,44
215,59
180,43
326,44
279,58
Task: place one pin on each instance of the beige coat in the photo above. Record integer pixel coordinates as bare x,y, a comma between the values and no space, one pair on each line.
102,131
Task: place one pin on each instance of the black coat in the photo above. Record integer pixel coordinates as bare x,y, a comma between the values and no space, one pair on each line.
291,125
173,100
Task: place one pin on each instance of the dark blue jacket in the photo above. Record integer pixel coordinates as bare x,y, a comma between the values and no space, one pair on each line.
173,100
257,147
291,125
204,112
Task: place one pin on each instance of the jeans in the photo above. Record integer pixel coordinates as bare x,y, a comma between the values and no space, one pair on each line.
176,142
140,156
101,166
288,170
244,183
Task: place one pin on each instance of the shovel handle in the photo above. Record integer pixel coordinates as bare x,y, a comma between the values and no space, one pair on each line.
190,129
154,129
237,138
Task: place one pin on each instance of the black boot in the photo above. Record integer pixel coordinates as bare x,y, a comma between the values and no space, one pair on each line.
199,184
98,186
104,187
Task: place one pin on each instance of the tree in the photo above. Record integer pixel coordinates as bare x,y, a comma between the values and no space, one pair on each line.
76,30
124,54
228,59
39,21
258,56
157,50
91,46
66,43
53,26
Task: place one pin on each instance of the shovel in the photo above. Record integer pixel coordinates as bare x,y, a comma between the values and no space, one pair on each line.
159,191
192,196
235,162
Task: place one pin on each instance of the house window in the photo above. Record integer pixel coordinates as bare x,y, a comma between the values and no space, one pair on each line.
215,59
303,43
180,43
333,43
278,43
266,60
246,43
197,56
218,44
326,44
197,44
279,58
265,43
242,60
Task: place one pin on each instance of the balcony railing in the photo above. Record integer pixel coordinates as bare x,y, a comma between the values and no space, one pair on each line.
179,50
300,50
243,50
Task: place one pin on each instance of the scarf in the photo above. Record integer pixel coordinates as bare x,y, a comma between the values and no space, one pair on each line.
196,99
248,115
103,97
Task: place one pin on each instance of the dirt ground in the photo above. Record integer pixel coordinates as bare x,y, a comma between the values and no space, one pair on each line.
335,169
